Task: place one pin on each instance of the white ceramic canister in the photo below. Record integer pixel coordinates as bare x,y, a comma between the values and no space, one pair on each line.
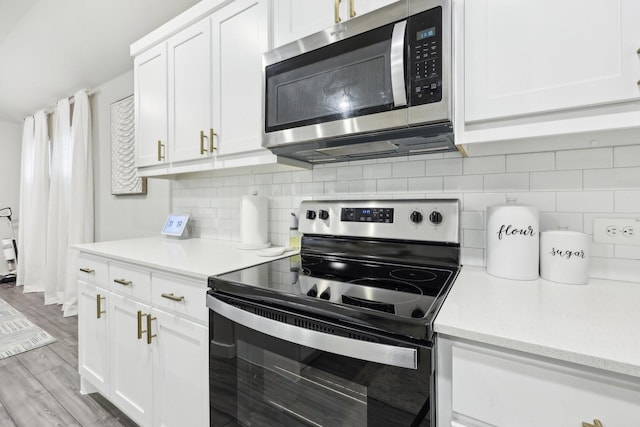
564,257
513,236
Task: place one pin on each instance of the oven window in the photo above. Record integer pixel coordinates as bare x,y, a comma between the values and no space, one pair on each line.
258,380
345,79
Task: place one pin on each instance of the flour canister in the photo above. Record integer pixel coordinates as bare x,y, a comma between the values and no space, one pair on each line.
564,257
513,237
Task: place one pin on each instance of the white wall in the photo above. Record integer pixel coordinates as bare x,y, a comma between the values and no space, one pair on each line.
569,187
10,158
121,217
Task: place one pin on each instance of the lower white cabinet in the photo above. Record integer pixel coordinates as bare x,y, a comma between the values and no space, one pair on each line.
143,342
481,386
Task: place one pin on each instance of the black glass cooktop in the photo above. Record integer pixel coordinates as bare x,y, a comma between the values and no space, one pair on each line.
398,289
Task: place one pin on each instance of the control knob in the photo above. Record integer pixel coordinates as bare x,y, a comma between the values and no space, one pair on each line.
311,214
417,313
435,217
323,214
326,294
313,292
415,217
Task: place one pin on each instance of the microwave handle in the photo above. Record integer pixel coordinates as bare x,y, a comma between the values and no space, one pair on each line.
373,352
398,83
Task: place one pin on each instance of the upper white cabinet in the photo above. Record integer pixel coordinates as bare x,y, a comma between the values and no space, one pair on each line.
294,19
529,68
150,81
190,94
198,90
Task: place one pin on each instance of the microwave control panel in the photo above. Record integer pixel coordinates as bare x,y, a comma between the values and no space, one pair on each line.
424,32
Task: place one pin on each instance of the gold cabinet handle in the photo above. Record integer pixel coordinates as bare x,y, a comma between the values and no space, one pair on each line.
212,147
352,8
172,297
99,310
336,11
638,51
202,150
140,331
160,156
596,423
149,336
87,270
123,282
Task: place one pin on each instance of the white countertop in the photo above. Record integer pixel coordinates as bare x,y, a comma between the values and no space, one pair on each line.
197,258
596,325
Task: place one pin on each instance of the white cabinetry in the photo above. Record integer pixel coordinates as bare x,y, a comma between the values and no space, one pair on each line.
485,386
150,87
541,68
207,64
293,19
147,349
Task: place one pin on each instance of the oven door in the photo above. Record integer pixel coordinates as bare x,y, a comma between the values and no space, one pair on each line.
275,367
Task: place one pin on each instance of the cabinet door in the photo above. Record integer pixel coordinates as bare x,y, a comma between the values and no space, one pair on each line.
93,333
295,19
130,359
180,371
150,76
524,57
240,37
190,92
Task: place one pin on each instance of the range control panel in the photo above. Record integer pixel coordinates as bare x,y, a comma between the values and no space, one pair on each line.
367,215
435,220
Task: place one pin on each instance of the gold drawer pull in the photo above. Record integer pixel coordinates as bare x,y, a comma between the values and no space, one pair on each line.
336,11
99,310
212,146
352,9
160,156
149,336
202,149
140,331
172,297
123,282
596,423
87,270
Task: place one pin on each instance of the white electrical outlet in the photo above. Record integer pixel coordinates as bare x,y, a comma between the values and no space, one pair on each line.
619,231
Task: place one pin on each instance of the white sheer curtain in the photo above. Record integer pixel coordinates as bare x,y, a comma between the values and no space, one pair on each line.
56,213
34,200
57,225
81,203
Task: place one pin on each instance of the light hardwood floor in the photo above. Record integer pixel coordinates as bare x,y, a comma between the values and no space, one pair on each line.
41,387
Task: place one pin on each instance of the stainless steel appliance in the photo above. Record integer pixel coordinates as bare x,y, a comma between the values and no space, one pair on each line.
340,334
376,85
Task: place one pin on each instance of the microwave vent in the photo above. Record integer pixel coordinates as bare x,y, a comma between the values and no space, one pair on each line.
362,149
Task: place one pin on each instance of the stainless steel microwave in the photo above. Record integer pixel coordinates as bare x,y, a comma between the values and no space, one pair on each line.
378,85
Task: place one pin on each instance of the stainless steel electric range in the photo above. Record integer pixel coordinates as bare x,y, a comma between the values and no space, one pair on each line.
340,334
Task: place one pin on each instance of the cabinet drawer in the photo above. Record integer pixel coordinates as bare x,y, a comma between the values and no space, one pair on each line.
180,296
130,281
505,389
92,270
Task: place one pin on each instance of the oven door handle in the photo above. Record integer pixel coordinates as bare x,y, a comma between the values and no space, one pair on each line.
398,83
385,354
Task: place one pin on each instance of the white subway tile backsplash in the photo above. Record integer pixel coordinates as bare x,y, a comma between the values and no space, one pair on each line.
349,172
626,156
442,167
484,165
376,171
619,178
627,201
425,184
408,169
591,158
392,185
555,181
585,201
506,182
466,183
531,162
